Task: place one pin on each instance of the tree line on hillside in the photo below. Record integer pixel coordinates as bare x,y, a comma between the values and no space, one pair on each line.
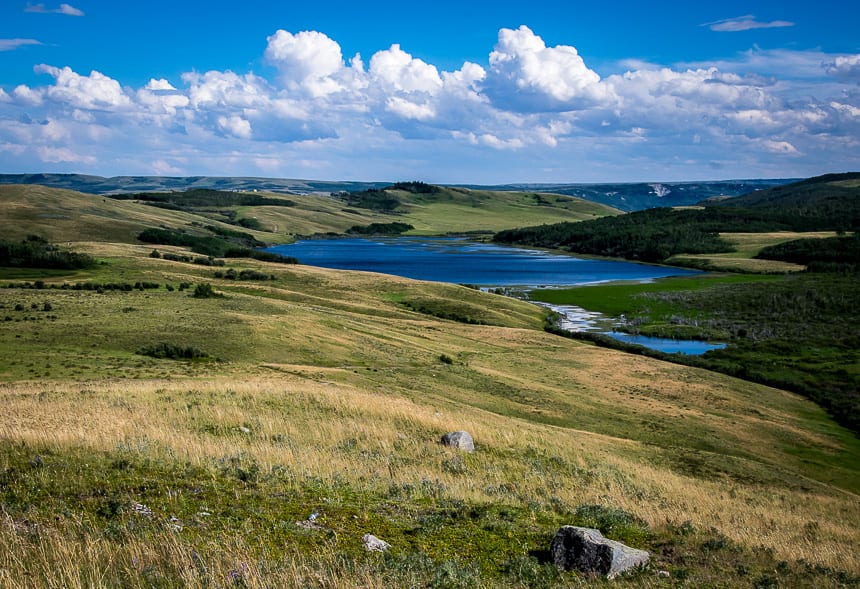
203,197
653,235
224,243
373,199
37,252
830,202
380,229
380,199
832,254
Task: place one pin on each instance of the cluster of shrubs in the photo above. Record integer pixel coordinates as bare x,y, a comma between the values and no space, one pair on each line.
97,286
416,187
442,311
36,252
241,252
375,200
380,229
199,260
173,352
208,245
231,274
20,307
204,290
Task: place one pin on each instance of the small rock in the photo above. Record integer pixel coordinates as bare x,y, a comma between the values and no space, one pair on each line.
587,551
141,509
374,544
664,574
462,440
244,429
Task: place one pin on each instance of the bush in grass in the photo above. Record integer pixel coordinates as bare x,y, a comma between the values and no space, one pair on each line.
173,352
204,290
254,275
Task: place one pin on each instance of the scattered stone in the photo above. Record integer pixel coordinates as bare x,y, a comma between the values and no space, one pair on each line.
244,429
175,524
141,509
461,440
374,544
664,574
587,551
311,523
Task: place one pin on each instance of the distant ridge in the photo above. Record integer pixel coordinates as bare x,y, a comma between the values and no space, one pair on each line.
119,184
623,196
638,196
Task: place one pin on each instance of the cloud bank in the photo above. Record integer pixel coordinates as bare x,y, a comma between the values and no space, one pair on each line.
530,112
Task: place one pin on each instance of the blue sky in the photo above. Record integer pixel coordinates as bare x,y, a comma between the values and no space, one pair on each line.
469,92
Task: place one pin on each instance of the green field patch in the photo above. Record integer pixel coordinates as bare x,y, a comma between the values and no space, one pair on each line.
616,299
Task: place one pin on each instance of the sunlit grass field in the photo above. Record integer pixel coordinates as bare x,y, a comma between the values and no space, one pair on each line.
315,418
328,395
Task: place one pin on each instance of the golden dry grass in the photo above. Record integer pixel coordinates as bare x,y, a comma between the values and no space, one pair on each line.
394,440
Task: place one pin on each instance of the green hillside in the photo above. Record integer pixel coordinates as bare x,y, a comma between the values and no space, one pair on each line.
827,203
159,433
62,215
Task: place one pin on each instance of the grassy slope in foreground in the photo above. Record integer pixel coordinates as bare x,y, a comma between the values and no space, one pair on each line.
330,398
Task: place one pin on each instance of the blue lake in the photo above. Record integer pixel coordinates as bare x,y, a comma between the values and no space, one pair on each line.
461,261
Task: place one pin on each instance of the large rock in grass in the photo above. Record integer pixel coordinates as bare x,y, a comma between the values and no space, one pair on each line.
587,551
461,440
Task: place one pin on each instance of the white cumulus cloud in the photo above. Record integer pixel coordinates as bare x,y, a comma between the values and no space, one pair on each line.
308,60
226,90
398,70
236,126
526,74
95,91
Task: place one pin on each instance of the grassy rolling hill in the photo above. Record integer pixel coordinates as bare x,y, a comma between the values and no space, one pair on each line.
315,419
63,215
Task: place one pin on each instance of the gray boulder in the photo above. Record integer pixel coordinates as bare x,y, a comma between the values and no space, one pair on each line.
587,551
374,544
461,440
